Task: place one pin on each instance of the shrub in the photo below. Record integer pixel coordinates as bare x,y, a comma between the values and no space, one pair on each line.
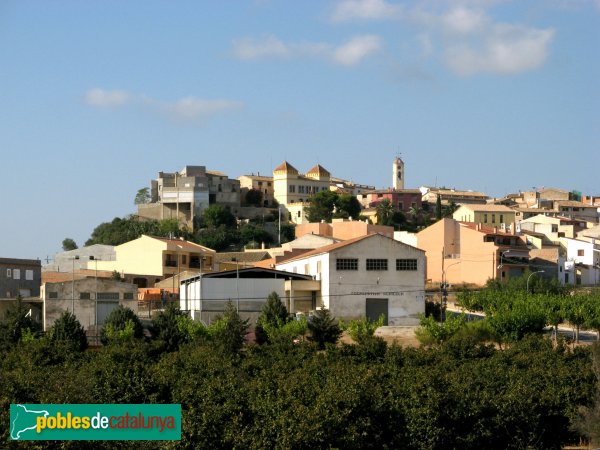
69,330
121,324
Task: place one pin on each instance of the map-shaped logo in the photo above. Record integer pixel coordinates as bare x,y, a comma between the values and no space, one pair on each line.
23,419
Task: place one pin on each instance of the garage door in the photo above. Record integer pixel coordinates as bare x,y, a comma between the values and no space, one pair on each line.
376,307
104,309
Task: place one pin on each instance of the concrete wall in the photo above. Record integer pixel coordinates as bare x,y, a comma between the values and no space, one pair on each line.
58,298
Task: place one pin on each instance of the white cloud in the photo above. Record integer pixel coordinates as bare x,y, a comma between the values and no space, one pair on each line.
506,49
188,108
355,50
348,54
269,47
192,108
102,98
463,20
347,10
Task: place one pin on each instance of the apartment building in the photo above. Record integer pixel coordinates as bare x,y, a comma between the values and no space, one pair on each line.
185,194
471,253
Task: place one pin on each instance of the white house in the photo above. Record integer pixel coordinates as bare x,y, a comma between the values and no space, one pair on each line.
582,262
205,296
363,277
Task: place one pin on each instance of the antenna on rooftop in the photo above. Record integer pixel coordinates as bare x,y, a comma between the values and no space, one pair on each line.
48,259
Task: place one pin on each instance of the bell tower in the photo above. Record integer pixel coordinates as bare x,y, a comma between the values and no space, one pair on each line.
398,169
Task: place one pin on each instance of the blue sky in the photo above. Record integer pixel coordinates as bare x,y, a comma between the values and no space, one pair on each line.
98,97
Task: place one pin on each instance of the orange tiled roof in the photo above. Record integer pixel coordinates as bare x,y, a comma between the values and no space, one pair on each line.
286,167
319,170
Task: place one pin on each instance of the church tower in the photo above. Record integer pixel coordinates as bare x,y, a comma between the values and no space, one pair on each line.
398,169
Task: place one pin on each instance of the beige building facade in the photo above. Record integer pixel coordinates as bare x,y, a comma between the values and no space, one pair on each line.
148,260
461,253
488,215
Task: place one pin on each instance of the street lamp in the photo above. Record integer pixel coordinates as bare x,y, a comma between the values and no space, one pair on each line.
532,273
95,259
237,281
444,289
73,284
501,256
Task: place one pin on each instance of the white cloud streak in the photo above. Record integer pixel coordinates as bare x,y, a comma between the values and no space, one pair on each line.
506,49
191,109
102,98
349,10
355,50
350,53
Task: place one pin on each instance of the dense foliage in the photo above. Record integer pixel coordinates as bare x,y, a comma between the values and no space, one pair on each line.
458,395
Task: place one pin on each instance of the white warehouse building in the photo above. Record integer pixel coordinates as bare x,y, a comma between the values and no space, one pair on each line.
362,277
205,296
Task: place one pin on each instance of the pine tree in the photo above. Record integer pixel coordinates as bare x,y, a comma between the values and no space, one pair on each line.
273,313
323,328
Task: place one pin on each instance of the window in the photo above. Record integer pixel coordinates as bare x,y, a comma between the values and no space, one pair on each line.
53,295
555,228
128,296
183,259
501,218
8,273
413,205
346,264
260,183
400,206
485,218
300,189
581,252
29,275
84,296
379,195
16,274
299,213
292,189
406,264
377,264
493,218
108,296
269,184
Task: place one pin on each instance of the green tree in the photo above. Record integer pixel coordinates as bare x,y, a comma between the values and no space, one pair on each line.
121,324
229,330
384,212
321,206
431,332
69,244
438,208
219,239
360,330
216,215
18,324
142,197
251,233
323,328
166,328
346,206
123,230
273,313
67,329
254,197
